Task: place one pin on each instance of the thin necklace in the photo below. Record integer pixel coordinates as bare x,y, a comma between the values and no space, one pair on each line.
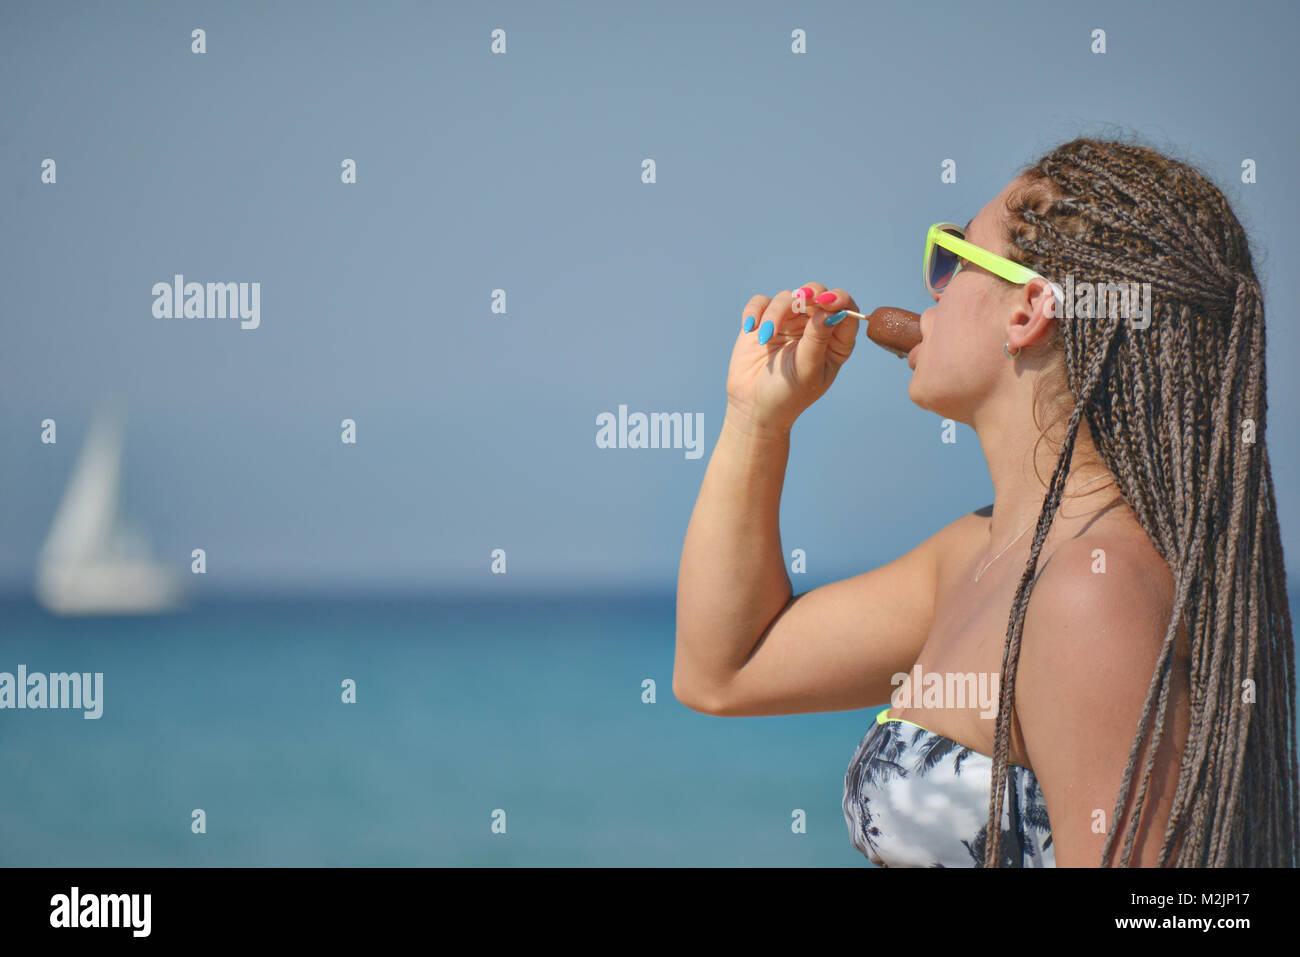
1027,528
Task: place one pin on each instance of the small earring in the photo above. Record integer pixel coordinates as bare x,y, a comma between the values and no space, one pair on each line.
1010,355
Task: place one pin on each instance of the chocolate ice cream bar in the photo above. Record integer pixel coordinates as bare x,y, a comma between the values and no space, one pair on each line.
896,330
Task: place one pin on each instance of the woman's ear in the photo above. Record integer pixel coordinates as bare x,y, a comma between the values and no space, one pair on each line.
1056,305
1027,315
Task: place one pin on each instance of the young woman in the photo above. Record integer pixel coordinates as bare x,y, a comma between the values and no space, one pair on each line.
1125,591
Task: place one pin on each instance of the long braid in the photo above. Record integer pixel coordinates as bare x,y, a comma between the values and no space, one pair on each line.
1011,651
1170,408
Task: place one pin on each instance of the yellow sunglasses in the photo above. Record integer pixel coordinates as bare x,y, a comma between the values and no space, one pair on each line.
946,247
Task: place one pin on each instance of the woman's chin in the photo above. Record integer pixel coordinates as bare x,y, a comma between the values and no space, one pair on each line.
914,393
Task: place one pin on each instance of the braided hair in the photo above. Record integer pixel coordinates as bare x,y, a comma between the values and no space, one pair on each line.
1177,411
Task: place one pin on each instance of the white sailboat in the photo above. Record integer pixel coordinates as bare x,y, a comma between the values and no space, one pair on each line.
93,562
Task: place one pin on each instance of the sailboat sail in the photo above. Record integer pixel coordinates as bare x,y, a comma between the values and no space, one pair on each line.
92,562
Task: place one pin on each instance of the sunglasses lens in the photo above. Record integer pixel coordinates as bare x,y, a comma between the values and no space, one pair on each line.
943,263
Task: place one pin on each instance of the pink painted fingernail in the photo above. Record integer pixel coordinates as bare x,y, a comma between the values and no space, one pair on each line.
825,297
803,291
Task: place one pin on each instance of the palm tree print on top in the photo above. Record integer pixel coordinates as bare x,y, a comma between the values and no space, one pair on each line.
914,798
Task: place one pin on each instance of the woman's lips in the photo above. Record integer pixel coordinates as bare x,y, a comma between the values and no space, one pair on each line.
911,356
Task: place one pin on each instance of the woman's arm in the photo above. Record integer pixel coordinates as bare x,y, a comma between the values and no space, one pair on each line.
732,580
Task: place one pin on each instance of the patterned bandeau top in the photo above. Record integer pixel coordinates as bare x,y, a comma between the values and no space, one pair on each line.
914,798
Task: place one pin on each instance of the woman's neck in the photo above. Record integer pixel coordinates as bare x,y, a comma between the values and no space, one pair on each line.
1018,491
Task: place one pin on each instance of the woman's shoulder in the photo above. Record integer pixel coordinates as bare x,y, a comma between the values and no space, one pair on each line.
1114,548
1112,576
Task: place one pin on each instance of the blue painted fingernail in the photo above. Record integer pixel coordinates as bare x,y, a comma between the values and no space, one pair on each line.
832,320
765,332
749,323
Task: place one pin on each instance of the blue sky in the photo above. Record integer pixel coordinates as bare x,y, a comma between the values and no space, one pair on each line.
522,172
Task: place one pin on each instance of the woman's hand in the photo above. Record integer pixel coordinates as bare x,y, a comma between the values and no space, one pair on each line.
770,384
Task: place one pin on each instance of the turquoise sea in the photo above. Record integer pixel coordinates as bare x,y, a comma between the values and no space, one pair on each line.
463,707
